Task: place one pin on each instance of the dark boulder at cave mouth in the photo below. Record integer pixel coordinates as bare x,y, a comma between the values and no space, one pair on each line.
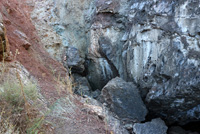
156,126
82,86
74,60
124,100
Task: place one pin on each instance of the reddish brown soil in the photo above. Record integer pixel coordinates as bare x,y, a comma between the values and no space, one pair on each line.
16,16
36,60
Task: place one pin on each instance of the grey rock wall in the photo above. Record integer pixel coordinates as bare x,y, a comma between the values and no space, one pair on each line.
73,20
153,43
156,45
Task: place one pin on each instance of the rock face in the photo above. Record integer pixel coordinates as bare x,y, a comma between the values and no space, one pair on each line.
42,18
124,100
100,72
74,60
156,126
72,21
154,44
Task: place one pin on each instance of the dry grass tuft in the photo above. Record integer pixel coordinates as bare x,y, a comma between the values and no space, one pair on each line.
65,83
19,113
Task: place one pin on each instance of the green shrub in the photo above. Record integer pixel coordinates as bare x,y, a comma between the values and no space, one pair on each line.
13,94
17,108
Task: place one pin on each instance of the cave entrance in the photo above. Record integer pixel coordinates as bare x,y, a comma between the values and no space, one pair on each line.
189,128
192,126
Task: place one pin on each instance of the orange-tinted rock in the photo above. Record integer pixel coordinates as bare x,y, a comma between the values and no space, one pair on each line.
26,45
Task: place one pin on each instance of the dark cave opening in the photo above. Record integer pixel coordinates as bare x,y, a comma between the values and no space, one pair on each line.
189,128
192,126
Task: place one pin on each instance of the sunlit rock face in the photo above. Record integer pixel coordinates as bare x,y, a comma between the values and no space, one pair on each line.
73,21
153,43
63,23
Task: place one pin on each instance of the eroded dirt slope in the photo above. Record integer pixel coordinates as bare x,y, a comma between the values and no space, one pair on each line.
21,32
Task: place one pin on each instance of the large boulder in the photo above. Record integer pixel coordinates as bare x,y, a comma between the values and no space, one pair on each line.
82,86
74,60
156,126
93,107
124,100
